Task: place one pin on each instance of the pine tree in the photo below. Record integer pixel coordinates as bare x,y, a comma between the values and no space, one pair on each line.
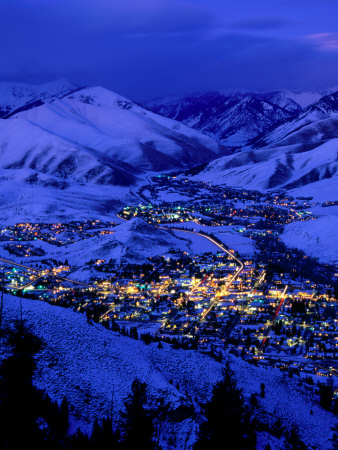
19,400
103,436
294,441
334,438
227,418
325,396
64,415
137,424
28,417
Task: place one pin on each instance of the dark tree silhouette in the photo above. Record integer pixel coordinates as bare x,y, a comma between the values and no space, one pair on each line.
137,424
227,418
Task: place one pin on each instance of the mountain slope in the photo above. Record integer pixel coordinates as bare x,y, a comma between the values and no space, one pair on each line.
232,119
91,137
314,124
20,96
235,118
275,168
91,365
132,241
302,151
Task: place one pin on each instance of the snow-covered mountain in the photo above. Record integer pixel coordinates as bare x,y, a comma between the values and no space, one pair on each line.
234,119
65,138
315,123
237,118
95,135
278,167
301,151
15,97
132,241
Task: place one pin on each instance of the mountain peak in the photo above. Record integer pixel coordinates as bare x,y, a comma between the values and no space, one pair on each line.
15,97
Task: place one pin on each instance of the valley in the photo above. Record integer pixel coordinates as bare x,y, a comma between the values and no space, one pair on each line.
209,273
122,223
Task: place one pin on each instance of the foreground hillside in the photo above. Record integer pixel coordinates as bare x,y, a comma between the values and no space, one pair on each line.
91,365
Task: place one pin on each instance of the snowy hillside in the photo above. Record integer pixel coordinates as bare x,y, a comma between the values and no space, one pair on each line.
236,118
132,241
96,136
109,130
277,167
317,238
54,152
17,96
91,366
299,152
316,123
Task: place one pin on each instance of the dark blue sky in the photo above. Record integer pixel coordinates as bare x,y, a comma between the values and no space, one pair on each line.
148,48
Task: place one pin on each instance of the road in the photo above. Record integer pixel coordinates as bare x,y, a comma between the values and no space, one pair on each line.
214,302
268,328
13,263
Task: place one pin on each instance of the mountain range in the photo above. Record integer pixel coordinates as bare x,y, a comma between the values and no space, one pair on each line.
58,141
66,149
235,118
283,140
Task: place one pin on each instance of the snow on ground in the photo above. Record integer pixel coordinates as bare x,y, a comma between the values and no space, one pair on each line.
171,196
226,234
197,244
321,191
22,202
286,400
132,241
317,238
90,365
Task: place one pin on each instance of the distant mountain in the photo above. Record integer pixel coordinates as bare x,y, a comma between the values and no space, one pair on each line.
317,123
15,97
301,152
63,138
234,119
95,135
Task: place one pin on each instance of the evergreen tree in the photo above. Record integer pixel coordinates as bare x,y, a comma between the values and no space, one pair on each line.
137,424
334,438
103,436
227,418
294,441
325,396
28,417
19,400
262,390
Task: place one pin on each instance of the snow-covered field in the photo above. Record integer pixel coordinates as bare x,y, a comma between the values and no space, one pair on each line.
226,234
91,365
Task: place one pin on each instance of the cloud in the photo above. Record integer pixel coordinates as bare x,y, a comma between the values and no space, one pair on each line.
120,16
262,23
324,41
146,48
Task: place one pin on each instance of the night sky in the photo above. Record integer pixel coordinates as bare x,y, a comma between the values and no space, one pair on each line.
148,48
